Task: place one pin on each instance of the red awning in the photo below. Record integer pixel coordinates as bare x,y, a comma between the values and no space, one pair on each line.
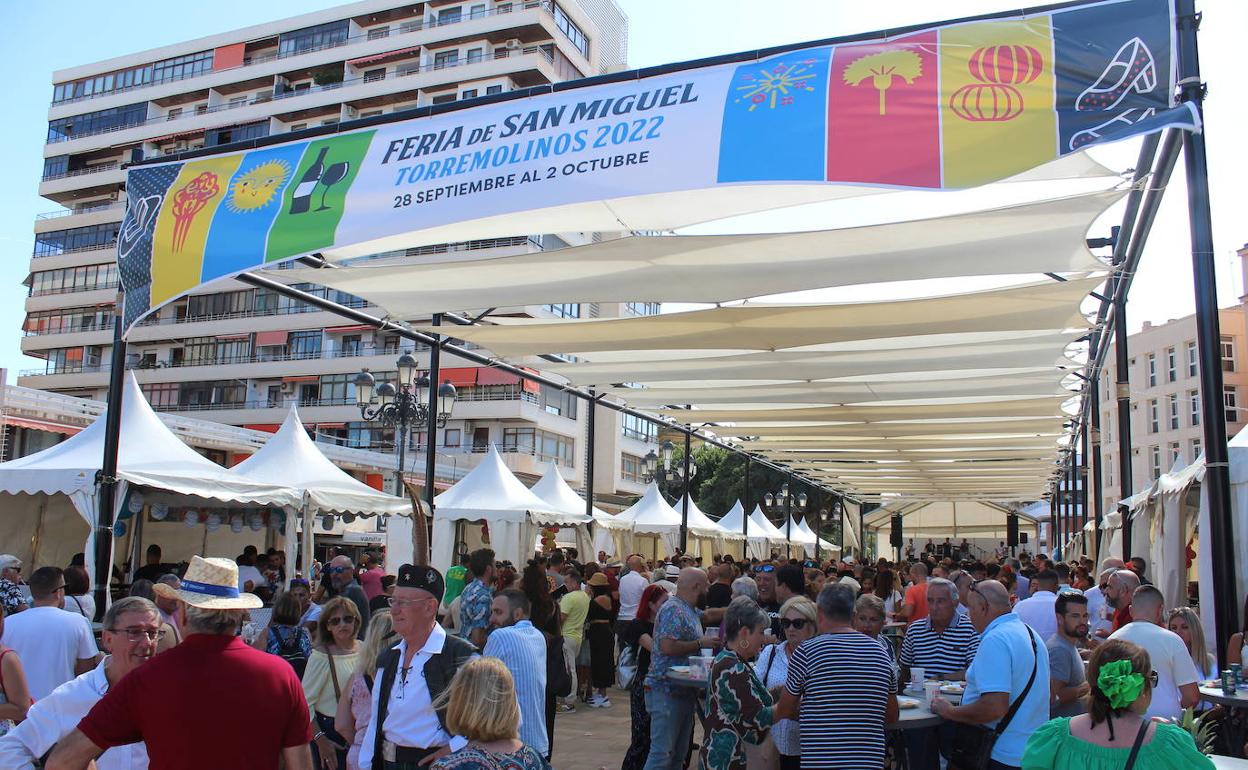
488,375
303,378
464,377
529,385
178,135
271,338
242,336
355,328
380,57
331,425
50,427
266,428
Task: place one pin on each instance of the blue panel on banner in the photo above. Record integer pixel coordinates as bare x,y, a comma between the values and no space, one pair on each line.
775,119
254,199
145,192
1114,69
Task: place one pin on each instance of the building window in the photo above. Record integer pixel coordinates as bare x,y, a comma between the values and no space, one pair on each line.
639,429
1192,358
56,166
1193,398
573,32
103,84
1151,364
337,389
182,66
313,38
542,444
642,308
218,136
368,435
469,93
371,76
477,12
452,437
493,90
1230,403
1172,365
1155,462
64,129
1154,420
443,99
79,319
1196,449
1228,354
475,55
162,394
378,33
305,344
76,239
450,16
1176,453
632,468
444,59
558,402
565,310
1173,411
73,279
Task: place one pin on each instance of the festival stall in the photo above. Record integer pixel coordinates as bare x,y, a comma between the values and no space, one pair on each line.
654,524
754,544
610,535
776,539
801,536
706,536
489,507
981,522
52,504
291,458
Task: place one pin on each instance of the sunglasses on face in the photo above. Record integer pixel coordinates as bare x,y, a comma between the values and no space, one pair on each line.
344,620
1153,678
797,623
338,570
765,568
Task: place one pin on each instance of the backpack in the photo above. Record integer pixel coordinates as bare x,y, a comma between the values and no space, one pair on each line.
285,643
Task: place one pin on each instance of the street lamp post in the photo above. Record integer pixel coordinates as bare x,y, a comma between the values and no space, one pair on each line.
404,406
786,495
667,475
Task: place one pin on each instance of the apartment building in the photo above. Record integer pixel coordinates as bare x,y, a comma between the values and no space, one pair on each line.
240,355
1165,397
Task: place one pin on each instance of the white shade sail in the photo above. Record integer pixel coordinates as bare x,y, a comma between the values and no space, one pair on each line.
1050,305
762,415
950,518
718,268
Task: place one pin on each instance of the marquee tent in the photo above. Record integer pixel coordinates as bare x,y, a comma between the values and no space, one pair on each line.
775,536
610,534
717,268
755,544
492,495
291,458
54,503
937,519
710,534
802,537
656,520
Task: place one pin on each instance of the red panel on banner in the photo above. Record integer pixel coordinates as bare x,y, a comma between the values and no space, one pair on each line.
884,112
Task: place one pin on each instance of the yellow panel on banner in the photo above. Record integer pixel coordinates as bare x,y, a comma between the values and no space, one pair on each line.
182,227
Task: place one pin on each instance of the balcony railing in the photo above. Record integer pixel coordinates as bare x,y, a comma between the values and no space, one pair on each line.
84,327
82,171
363,351
405,28
108,246
110,206
413,70
73,289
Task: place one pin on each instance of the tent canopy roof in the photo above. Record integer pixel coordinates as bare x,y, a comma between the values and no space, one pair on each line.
651,515
554,490
149,455
701,524
291,458
491,491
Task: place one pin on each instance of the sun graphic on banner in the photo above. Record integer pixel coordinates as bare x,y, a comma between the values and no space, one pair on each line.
775,87
258,187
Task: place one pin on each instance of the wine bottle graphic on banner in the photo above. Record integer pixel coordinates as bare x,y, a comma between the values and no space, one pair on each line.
301,200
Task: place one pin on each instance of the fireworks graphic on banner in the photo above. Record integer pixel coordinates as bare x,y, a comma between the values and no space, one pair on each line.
775,87
188,202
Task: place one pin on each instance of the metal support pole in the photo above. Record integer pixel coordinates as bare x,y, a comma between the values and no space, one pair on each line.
1122,394
1220,543
745,519
840,516
788,516
106,479
1054,506
431,456
1098,478
895,526
1082,519
400,438
589,458
684,503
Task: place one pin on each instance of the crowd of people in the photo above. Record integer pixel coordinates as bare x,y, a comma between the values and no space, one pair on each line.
226,663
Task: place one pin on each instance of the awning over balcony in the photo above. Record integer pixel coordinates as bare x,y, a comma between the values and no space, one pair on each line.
381,57
303,378
347,329
460,377
243,336
50,427
271,338
491,376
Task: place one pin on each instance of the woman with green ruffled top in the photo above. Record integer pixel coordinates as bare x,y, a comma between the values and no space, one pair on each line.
1115,734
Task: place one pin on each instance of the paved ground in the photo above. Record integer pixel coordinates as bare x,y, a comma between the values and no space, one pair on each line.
593,738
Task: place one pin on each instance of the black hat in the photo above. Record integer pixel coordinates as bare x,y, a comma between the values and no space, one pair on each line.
422,577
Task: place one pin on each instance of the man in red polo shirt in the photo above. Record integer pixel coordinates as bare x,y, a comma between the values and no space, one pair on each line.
184,704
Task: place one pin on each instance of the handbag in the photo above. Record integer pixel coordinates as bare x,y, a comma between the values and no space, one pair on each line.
626,669
558,680
973,744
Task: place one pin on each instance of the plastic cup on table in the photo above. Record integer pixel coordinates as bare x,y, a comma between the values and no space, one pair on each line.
917,675
930,691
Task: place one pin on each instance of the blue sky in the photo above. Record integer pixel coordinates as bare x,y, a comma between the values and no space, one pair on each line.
39,38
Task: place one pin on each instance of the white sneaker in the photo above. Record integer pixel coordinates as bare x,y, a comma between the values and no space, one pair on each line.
599,702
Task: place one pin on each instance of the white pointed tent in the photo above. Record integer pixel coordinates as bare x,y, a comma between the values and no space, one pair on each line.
706,537
655,525
801,536
491,494
755,545
54,504
775,536
291,458
609,534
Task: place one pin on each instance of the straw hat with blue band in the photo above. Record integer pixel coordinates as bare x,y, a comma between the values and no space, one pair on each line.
212,584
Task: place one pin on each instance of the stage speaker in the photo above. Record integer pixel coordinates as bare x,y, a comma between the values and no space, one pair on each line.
1022,538
894,538
1011,531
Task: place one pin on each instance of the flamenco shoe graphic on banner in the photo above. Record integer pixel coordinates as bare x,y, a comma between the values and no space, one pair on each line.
1127,118
1132,70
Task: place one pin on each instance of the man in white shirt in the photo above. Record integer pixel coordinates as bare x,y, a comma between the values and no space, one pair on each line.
1037,610
131,629
1177,685
1100,619
631,587
54,645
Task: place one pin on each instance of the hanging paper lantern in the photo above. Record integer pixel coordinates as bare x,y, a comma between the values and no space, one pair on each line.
119,529
135,503
160,511
191,517
236,523
255,521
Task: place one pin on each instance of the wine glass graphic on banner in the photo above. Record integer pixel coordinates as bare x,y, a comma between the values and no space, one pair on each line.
301,199
332,176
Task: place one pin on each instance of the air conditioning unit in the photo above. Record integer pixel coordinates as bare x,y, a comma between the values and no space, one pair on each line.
288,387
512,45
